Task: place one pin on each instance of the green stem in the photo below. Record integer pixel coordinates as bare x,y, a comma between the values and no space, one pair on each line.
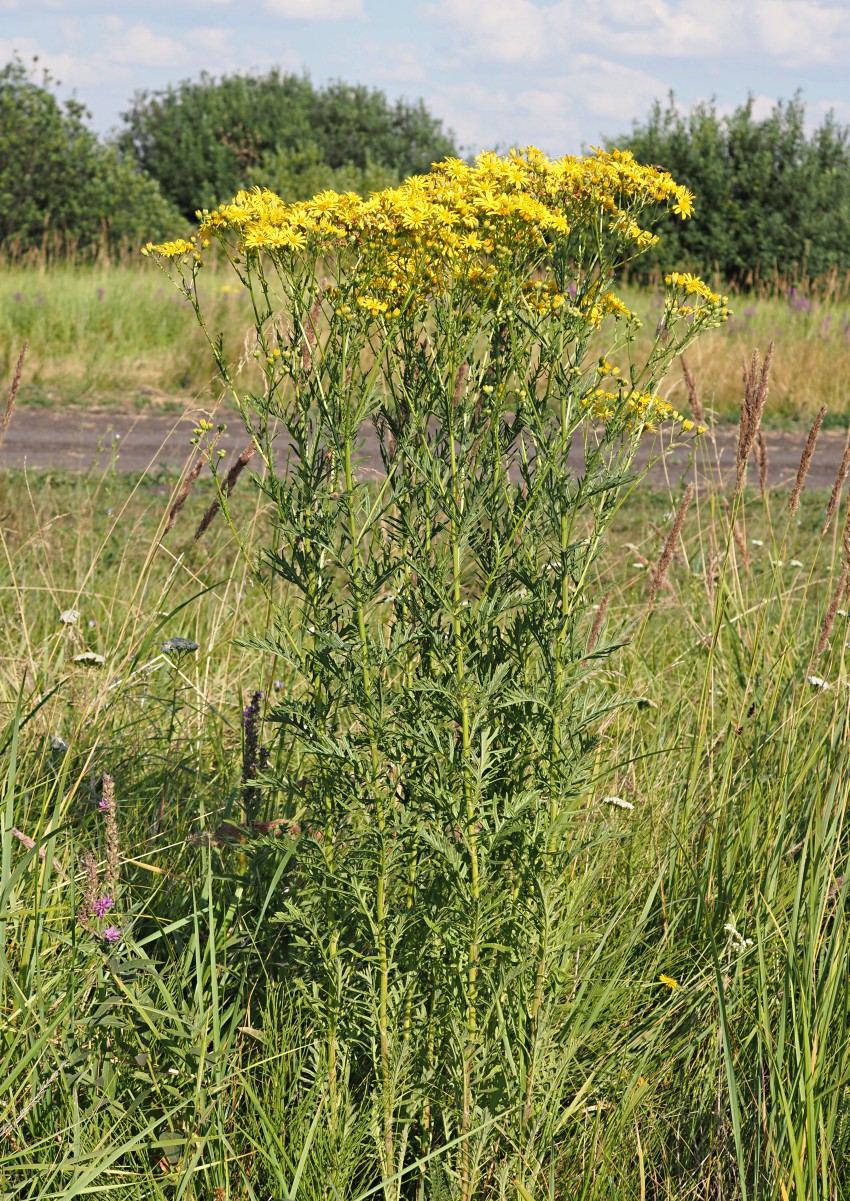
380,814
472,956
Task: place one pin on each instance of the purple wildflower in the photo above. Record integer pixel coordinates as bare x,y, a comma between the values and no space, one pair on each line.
112,934
102,906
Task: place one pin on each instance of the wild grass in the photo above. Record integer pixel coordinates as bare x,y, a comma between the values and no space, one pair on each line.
708,939
142,346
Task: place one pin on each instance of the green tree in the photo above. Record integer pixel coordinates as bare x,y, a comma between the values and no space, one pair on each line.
769,195
204,139
58,179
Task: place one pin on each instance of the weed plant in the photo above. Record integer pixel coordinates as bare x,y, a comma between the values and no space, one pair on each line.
437,715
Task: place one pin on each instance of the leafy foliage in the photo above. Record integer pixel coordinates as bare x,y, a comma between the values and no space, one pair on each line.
434,627
57,178
204,139
771,196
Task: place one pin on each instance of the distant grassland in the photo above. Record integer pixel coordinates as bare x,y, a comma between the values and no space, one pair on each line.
122,336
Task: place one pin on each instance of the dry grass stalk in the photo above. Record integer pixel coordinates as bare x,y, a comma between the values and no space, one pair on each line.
835,495
737,534
91,891
805,460
829,619
29,843
760,449
693,396
755,380
460,383
13,391
845,539
183,494
228,486
596,628
659,575
310,333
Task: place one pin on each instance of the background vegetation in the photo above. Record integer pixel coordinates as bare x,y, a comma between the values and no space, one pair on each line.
143,346
59,182
203,140
771,196
65,192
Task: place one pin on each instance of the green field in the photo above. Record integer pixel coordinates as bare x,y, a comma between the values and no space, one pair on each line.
142,347
177,1065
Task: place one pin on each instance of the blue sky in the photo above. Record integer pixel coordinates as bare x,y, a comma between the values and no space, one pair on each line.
556,73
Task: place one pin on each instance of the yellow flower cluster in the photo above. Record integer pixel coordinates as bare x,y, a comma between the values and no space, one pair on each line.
638,410
688,285
479,226
171,250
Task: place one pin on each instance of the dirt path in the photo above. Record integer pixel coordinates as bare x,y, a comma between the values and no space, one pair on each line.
77,440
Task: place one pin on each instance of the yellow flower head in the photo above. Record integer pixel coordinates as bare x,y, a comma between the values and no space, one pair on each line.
669,981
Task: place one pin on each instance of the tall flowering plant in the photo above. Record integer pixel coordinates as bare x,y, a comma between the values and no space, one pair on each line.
435,619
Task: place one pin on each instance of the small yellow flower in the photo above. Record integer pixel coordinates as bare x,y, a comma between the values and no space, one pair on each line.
669,981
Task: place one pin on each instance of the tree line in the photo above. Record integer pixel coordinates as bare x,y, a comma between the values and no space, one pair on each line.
193,145
772,194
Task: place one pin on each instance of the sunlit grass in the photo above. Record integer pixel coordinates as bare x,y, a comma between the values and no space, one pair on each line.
121,336
177,1066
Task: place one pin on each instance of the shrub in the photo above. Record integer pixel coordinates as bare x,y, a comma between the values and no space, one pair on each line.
204,139
58,181
772,197
434,624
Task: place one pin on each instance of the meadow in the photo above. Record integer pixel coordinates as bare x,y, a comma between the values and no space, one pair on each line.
172,1066
472,829
143,346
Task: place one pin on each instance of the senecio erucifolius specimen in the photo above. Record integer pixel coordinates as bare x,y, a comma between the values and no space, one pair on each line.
475,231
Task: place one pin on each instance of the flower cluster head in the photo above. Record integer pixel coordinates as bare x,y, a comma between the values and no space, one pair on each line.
513,228
179,646
467,226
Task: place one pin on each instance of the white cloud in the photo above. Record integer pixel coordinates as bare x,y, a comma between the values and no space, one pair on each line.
213,39
69,69
139,46
394,62
316,10
790,32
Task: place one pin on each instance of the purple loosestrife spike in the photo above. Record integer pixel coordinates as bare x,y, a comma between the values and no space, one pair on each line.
112,934
107,808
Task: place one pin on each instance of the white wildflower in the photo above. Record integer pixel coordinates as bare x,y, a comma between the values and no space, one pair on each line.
617,801
736,937
795,563
818,682
90,659
69,617
756,542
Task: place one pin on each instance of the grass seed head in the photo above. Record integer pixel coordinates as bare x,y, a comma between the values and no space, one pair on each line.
805,461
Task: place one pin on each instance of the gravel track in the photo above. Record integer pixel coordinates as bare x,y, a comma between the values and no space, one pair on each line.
81,440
